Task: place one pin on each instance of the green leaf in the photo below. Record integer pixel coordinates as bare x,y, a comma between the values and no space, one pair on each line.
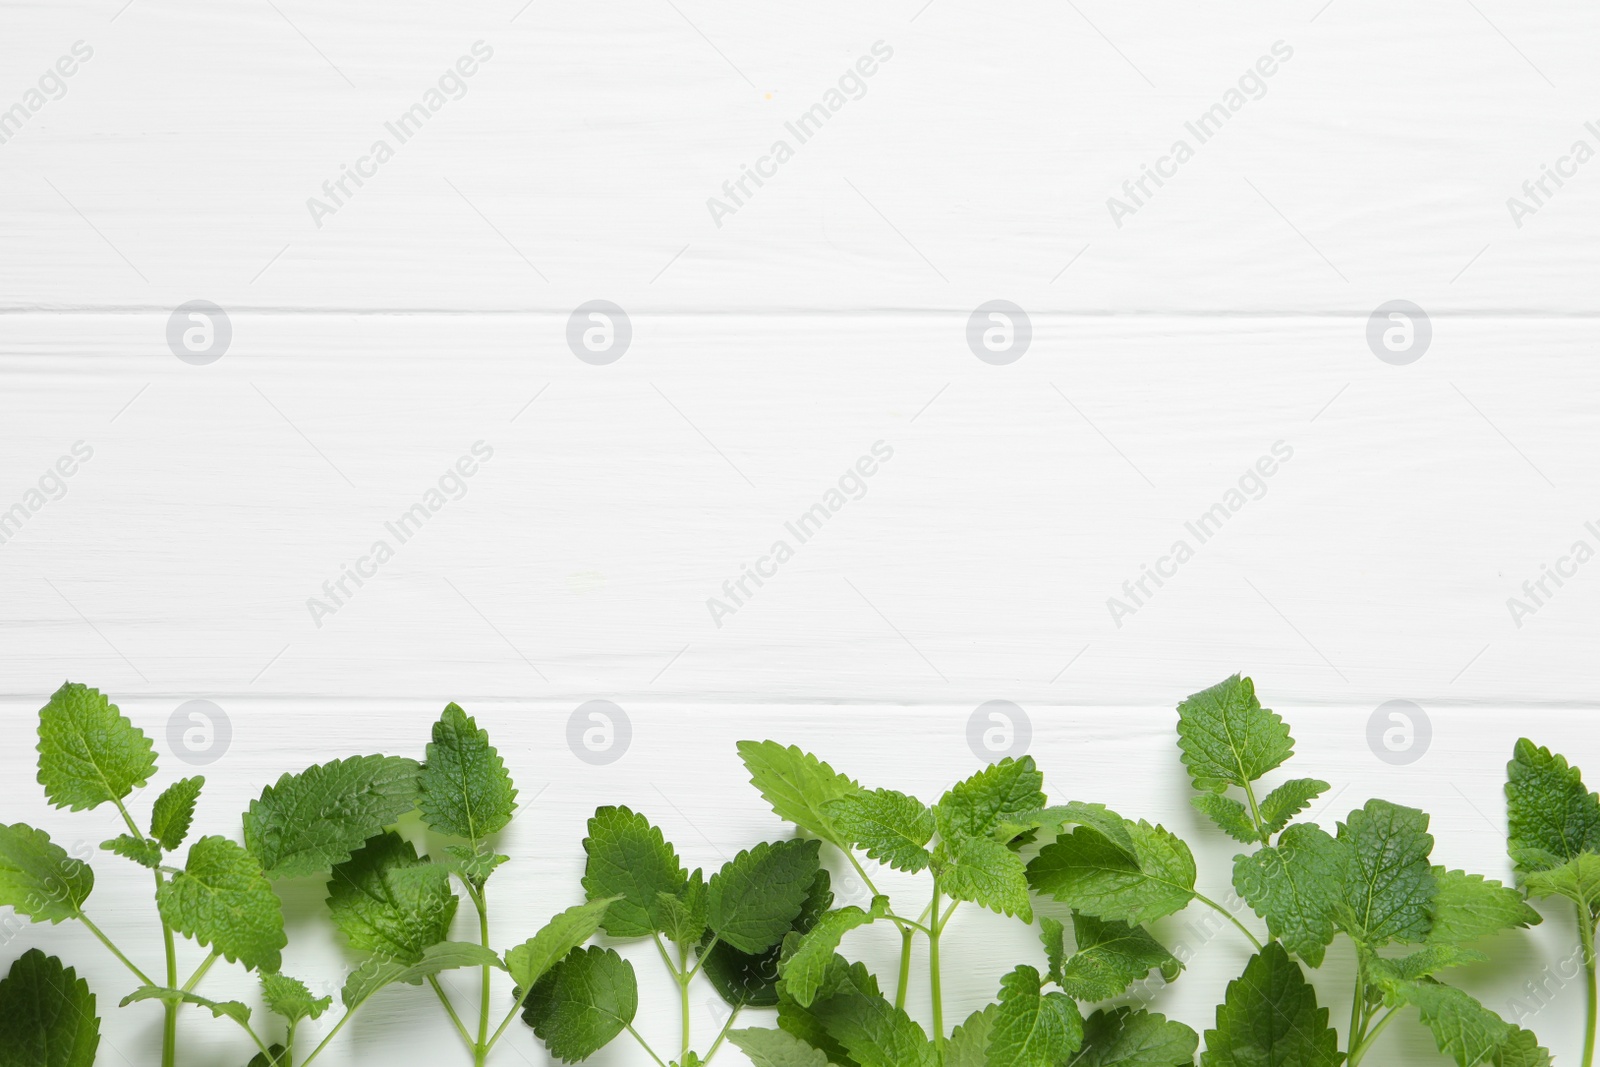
173,811
984,871
470,865
1111,956
844,979
683,917
1229,815
1463,1029
141,850
775,1048
233,1009
1578,880
464,788
1050,821
290,998
1289,800
1123,1037
1270,1018
1297,885
273,1057
89,753
629,858
1466,907
1087,871
1382,971
1054,935
47,1015
531,960
750,980
891,827
798,786
1391,882
582,1003
38,878
379,971
995,797
308,822
873,1032
805,969
1033,1028
753,899
387,900
969,1044
222,899
1552,817
1228,738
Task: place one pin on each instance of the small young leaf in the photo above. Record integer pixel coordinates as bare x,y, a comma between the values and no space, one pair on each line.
387,900
1093,875
582,1003
379,971
173,811
996,797
470,865
89,753
1384,971
1289,800
1054,935
1033,1028
1123,1037
1111,956
1466,907
891,827
307,822
222,899
1578,880
1229,815
1552,816
1464,1029
1298,886
775,1048
464,788
1270,1018
805,968
798,786
141,850
753,899
290,998
1391,881
38,878
529,961
233,1009
984,871
629,858
47,1015
1228,738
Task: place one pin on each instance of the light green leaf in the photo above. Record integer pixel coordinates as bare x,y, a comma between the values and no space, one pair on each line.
379,971
805,968
1578,880
89,753
290,998
629,858
1270,1018
1391,881
798,786
464,788
386,900
529,961
1050,821
38,878
683,917
1228,738
753,899
1383,971
470,865
1112,956
775,1048
1093,875
1467,907
969,1044
892,827
1289,800
222,899
582,1003
233,1009
1033,1028
1123,1037
1298,886
984,871
1464,1029
1229,815
1551,815
173,811
993,799
307,822
1054,935
141,850
47,1015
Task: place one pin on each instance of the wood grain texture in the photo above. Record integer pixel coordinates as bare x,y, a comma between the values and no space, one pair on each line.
828,313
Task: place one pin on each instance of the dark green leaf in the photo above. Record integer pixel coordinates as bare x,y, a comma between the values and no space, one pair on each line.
1033,1028
1112,956
173,811
1391,881
582,1003
1298,886
1123,1037
38,878
307,822
1270,1018
386,900
629,858
992,800
1096,877
753,899
47,1015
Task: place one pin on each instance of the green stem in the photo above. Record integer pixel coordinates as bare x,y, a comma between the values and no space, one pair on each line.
1354,1039
169,1028
1586,931
1208,902
701,962
683,995
645,1045
115,951
933,975
1255,814
677,975
1360,1051
461,1029
722,1036
480,1050
331,1035
200,972
905,969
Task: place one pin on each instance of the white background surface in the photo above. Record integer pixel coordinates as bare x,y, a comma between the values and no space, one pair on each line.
828,313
